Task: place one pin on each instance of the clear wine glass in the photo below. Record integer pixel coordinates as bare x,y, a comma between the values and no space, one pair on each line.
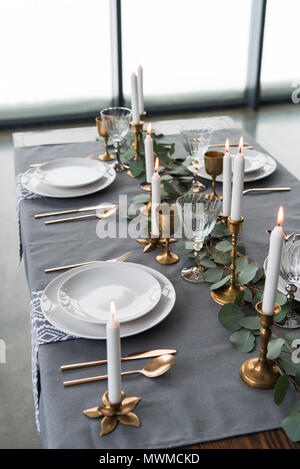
290,271
195,142
116,121
198,216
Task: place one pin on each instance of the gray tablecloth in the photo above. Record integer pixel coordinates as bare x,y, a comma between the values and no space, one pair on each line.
202,398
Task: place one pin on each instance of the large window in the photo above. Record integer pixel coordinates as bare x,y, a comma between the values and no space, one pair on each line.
61,58
55,57
280,65
191,51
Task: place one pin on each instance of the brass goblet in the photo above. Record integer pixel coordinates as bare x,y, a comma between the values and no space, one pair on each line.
102,132
213,166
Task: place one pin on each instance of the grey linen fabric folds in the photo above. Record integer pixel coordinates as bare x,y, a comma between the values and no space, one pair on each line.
202,397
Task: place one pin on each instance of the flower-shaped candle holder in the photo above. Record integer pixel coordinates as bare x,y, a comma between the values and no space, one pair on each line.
114,413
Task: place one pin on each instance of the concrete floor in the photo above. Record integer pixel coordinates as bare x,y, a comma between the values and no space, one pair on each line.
274,127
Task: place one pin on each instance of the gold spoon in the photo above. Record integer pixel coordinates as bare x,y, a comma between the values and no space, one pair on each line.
105,214
156,367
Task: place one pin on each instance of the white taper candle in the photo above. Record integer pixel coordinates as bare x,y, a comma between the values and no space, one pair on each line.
238,184
134,100
227,175
156,199
140,89
274,257
113,345
149,159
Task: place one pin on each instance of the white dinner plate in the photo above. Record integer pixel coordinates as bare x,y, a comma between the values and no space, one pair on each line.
71,172
267,166
282,284
57,316
87,295
33,183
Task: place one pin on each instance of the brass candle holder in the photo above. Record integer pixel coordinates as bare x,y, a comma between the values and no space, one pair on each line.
137,129
114,413
260,372
223,219
214,166
102,132
228,293
168,219
137,132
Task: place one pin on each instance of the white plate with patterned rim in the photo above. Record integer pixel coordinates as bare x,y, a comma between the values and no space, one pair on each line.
86,295
31,181
57,316
267,166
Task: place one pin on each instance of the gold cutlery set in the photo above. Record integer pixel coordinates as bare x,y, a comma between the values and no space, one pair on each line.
162,361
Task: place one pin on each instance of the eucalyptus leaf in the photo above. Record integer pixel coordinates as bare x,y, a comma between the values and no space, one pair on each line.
259,275
297,376
207,262
274,348
230,316
294,408
281,387
137,167
291,426
280,298
213,275
280,317
247,274
220,231
248,295
286,362
250,322
224,246
166,177
220,284
243,341
180,171
140,198
169,188
239,298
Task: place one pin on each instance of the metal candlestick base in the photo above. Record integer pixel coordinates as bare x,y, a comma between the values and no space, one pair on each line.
114,413
193,274
168,257
292,321
260,372
228,293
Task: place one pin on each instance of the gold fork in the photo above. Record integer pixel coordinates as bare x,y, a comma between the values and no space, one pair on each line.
122,258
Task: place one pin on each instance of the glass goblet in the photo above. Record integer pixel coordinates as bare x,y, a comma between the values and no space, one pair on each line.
195,142
198,216
116,121
290,271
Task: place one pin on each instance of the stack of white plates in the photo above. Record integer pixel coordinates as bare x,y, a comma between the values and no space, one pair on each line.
258,165
68,177
78,301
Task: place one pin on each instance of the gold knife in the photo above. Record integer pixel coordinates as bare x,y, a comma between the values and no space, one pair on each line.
76,210
132,356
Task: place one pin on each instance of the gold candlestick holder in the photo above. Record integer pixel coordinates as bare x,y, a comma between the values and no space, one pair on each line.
112,414
260,372
102,132
214,166
136,128
137,132
167,257
228,293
